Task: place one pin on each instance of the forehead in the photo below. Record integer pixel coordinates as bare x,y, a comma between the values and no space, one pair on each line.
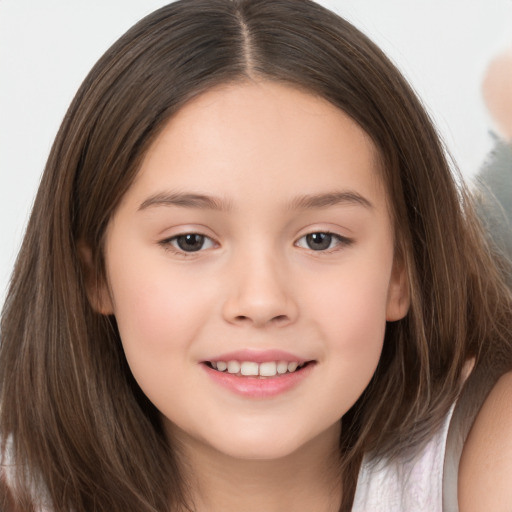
260,138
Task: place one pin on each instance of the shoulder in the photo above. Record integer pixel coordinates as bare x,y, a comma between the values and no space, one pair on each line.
485,470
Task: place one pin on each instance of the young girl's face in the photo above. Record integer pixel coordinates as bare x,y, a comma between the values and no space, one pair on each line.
256,235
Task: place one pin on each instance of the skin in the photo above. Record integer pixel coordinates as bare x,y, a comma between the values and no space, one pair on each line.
256,284
497,92
486,462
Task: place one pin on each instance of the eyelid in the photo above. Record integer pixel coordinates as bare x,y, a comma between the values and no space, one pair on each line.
342,241
168,243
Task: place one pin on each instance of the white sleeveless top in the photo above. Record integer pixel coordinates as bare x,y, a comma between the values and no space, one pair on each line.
413,485
427,482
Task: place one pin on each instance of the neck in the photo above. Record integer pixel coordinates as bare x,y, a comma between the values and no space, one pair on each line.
307,479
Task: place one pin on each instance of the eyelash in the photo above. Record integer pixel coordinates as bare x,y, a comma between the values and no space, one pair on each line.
173,243
168,243
341,241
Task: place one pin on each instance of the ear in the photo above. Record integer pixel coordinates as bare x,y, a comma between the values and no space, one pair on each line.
399,295
96,288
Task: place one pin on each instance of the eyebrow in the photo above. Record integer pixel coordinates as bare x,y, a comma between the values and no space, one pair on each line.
186,200
206,202
330,199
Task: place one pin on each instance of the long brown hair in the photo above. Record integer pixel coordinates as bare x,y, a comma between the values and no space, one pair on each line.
73,420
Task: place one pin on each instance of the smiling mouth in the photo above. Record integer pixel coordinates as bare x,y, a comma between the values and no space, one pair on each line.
267,369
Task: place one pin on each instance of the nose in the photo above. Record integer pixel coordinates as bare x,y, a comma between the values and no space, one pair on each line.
259,293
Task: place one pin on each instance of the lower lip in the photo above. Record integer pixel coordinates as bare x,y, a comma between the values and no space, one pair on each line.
255,387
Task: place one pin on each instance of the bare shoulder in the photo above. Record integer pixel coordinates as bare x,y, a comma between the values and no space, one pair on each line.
485,470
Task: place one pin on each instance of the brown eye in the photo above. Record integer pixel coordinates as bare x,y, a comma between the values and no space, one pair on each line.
188,242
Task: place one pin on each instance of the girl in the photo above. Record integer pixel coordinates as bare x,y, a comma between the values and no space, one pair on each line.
250,282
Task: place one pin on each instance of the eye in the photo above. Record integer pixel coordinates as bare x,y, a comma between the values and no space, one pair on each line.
322,241
189,242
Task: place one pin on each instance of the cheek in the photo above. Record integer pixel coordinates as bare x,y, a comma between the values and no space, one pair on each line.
157,324
158,314
351,316
352,307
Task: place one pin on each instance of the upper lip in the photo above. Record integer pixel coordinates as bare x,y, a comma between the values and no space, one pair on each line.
258,356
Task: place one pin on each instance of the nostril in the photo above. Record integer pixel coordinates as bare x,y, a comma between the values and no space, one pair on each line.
275,320
278,319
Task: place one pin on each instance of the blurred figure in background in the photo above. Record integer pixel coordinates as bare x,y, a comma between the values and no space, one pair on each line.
494,181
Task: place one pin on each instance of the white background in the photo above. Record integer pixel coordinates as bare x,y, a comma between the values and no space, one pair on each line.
48,46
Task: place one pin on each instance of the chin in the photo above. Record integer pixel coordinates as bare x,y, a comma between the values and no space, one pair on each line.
270,442
264,450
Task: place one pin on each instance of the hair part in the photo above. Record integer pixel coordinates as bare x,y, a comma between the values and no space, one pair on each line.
79,424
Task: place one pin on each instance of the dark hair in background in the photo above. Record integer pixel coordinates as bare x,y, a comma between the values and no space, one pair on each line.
72,416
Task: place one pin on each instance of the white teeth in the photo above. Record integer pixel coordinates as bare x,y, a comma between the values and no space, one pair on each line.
249,368
292,366
233,367
268,369
282,367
